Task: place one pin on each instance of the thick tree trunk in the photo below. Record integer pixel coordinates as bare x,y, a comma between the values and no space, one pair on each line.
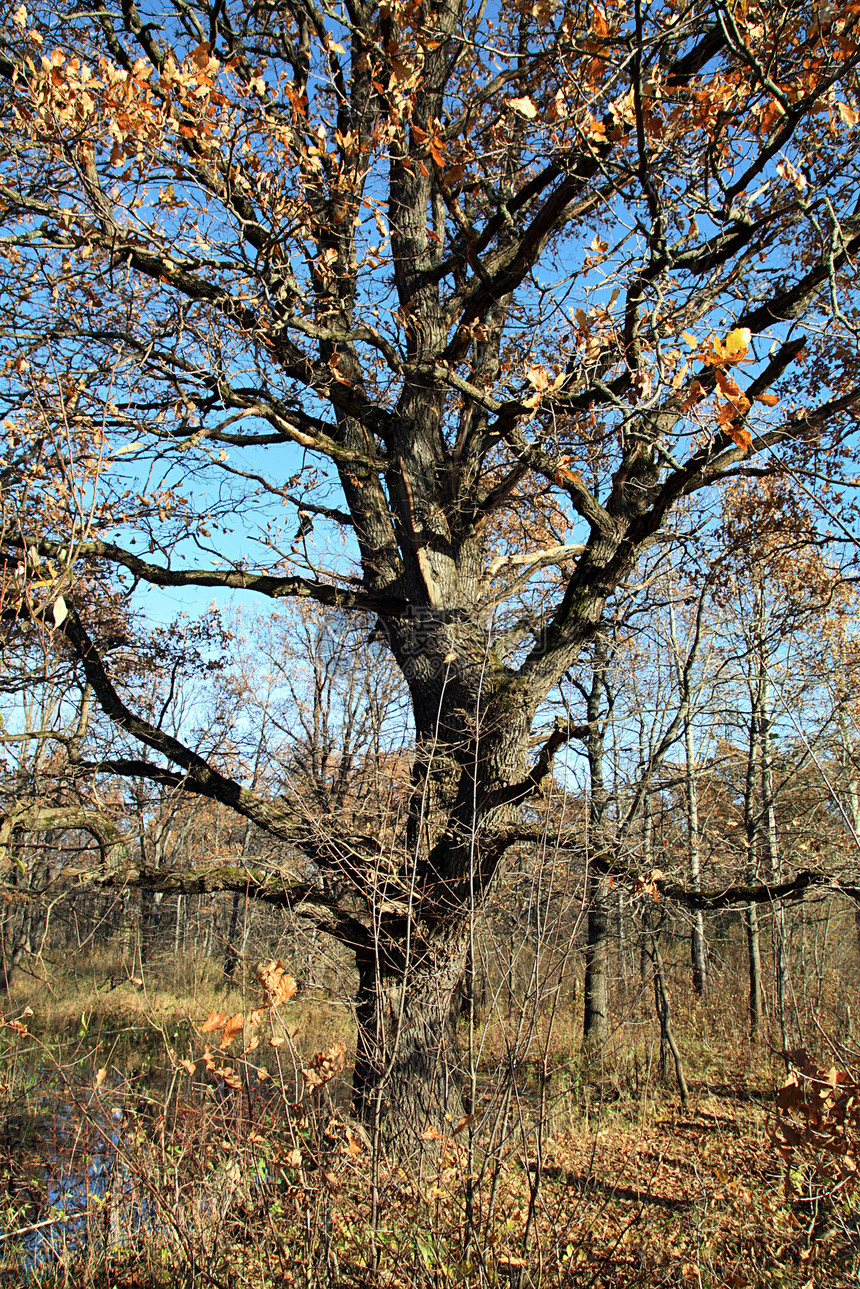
470,778
407,1084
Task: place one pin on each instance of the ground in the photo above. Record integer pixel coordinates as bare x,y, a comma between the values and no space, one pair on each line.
568,1172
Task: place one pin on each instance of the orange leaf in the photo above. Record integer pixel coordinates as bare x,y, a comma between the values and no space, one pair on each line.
278,987
353,1147
432,1134
233,1027
215,1021
739,434
726,384
695,392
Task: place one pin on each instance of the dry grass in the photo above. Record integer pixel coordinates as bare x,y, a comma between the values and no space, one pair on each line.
574,1171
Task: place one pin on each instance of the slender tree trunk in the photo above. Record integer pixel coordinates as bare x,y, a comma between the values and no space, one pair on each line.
667,1034
774,865
595,1028
853,794
596,1015
698,951
754,958
752,826
178,942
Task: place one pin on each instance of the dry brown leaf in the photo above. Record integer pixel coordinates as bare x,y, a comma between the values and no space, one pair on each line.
214,1022
325,1066
234,1026
277,985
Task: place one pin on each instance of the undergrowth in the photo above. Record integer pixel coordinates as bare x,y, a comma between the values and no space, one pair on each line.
234,1159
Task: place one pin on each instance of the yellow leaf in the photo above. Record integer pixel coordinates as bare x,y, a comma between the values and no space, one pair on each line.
524,106
737,343
100,1077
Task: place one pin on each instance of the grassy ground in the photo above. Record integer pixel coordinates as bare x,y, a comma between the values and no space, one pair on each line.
571,1172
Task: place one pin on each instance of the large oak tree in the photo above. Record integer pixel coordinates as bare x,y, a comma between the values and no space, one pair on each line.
490,290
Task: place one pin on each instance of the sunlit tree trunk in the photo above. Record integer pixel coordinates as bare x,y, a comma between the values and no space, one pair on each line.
774,865
668,1041
596,988
752,823
698,951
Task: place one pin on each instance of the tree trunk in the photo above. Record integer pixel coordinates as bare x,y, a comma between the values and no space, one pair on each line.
849,765
178,938
752,829
596,1017
698,953
664,1013
754,957
595,1026
774,865
407,1084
